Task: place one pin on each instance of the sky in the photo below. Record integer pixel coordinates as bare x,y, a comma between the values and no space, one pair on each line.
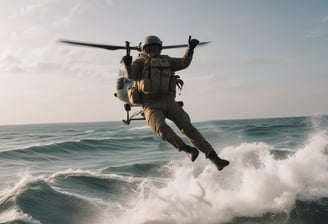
267,58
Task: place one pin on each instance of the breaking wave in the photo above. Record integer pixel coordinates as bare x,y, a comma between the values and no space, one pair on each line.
256,188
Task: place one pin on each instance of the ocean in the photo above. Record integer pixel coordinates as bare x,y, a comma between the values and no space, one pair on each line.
111,173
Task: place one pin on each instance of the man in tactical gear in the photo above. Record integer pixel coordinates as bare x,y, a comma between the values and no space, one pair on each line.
153,75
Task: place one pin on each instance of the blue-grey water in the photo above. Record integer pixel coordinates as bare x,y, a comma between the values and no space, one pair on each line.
108,172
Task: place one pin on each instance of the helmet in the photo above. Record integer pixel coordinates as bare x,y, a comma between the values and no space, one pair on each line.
150,40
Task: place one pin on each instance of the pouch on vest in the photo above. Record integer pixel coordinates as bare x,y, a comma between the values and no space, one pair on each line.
156,76
134,95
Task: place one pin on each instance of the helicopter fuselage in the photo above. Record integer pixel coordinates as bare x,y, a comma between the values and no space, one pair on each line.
122,85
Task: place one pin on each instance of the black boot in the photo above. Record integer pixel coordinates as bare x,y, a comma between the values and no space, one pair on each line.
219,163
191,152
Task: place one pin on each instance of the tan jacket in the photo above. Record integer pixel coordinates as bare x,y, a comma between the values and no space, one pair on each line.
139,71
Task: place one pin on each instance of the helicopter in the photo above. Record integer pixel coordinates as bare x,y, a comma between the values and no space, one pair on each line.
123,83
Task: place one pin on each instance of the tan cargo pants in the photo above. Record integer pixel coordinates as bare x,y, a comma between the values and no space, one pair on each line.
156,110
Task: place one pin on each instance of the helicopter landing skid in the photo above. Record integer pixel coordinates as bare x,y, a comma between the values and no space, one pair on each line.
137,116
140,113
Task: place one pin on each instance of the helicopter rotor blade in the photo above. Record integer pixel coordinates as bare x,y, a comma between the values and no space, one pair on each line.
183,45
103,46
116,47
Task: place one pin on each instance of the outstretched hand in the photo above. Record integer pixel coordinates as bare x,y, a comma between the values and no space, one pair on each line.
192,43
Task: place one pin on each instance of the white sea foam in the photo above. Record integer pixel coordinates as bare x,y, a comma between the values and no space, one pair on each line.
14,215
254,184
7,196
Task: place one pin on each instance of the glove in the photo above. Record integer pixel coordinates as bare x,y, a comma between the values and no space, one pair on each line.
127,59
192,43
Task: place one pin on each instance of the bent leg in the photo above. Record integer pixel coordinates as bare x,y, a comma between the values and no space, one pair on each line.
183,122
156,120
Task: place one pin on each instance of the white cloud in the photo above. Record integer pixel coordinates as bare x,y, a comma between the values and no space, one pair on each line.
318,33
325,19
10,64
59,62
76,12
33,8
272,60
